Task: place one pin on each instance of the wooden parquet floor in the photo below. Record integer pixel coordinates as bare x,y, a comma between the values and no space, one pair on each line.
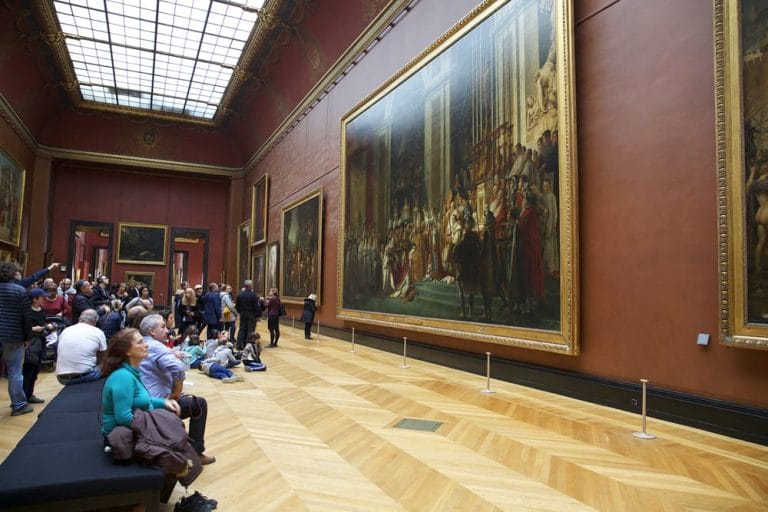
315,433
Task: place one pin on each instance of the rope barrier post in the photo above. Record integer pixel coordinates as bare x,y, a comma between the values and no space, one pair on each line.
644,434
405,366
353,341
487,389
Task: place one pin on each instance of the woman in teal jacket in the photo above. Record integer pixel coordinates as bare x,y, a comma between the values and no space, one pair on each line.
123,390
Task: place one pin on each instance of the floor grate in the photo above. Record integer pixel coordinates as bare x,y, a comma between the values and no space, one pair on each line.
422,425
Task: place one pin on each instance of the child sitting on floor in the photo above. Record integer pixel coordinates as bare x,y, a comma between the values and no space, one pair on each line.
216,365
194,353
251,355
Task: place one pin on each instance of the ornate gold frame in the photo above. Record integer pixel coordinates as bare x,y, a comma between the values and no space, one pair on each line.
259,258
566,339
15,235
272,279
260,190
735,329
284,246
121,257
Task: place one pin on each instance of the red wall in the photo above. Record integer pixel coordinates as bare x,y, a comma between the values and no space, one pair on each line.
647,183
86,193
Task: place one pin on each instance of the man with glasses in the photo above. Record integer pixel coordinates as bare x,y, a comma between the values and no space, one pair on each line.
163,374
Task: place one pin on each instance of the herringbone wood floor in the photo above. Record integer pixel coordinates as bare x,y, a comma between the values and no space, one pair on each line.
314,433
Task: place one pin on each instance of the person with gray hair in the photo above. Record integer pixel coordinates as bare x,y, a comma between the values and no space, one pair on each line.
249,305
14,314
163,373
81,348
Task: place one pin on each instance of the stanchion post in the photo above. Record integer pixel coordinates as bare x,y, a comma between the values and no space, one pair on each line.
353,341
487,389
405,357
293,324
644,434
318,332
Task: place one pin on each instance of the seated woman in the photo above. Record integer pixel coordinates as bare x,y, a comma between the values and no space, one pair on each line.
251,355
215,366
123,390
144,300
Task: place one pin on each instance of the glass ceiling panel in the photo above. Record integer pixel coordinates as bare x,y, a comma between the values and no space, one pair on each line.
165,55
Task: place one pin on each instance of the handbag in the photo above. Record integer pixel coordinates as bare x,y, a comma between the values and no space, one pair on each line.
226,315
281,310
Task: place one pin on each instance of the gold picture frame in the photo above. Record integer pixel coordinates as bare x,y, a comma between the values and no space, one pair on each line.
144,244
259,210
742,175
12,182
272,272
301,248
258,271
145,278
429,185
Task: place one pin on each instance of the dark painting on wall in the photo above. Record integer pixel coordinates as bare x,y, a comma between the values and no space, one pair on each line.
147,279
301,255
741,98
258,269
259,209
243,252
141,243
12,178
459,186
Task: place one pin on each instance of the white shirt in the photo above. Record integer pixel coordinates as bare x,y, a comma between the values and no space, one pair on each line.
78,345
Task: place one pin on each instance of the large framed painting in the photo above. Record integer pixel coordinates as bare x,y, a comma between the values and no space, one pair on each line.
12,178
258,271
459,186
147,279
259,209
243,253
301,249
142,243
272,279
741,98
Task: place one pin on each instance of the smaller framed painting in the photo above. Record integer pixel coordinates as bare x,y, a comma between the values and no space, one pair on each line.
258,271
145,278
301,255
12,178
243,252
259,208
273,267
142,243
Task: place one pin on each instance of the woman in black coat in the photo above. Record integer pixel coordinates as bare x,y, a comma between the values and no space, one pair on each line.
308,315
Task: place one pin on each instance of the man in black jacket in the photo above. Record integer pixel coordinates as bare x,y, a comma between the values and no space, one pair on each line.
249,305
14,311
84,300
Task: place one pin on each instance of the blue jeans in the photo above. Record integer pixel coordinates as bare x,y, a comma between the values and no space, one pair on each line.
13,357
90,376
216,371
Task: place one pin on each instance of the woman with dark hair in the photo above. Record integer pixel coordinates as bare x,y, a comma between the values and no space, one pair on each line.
144,300
124,391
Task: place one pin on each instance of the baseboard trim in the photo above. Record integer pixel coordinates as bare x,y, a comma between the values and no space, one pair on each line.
733,420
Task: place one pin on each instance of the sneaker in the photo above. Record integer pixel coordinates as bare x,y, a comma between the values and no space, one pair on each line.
23,410
229,380
239,378
202,499
35,400
193,504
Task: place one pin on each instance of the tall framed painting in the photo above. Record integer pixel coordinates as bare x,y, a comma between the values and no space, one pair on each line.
272,276
258,271
741,99
459,186
12,178
259,209
301,250
142,243
243,252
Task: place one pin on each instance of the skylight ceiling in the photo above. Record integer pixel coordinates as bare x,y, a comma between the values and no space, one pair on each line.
170,56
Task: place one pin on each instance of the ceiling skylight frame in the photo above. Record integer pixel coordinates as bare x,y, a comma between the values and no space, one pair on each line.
197,91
